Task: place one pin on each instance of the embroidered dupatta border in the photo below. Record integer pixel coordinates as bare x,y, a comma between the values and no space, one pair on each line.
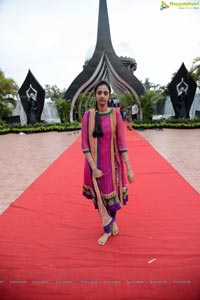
104,216
114,152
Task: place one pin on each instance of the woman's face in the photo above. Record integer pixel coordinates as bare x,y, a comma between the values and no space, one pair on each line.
102,96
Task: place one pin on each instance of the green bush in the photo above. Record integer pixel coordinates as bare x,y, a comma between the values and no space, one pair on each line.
168,123
139,125
38,128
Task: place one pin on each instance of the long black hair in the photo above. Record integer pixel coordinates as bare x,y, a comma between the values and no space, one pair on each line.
97,126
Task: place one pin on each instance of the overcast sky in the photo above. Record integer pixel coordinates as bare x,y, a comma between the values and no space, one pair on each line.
52,38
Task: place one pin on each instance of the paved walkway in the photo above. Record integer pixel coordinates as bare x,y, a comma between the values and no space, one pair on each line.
181,148
24,157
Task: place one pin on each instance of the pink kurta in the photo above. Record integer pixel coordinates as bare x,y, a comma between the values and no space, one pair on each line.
107,153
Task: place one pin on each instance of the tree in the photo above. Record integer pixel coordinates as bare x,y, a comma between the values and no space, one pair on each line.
195,70
127,100
8,89
90,102
63,106
78,105
149,85
146,104
83,103
162,90
53,92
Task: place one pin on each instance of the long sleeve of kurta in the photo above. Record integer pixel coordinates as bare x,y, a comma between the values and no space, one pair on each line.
120,133
84,134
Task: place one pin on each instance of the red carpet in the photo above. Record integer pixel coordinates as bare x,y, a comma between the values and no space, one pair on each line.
48,236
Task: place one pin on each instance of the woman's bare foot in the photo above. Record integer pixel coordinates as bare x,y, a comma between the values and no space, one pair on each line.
103,239
114,228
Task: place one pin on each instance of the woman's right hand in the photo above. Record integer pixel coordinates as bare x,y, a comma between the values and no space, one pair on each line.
97,173
130,175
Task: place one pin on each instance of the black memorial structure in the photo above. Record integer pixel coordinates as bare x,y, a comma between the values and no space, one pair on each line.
32,97
105,64
182,90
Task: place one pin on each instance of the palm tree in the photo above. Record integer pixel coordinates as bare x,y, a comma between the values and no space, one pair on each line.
146,104
63,106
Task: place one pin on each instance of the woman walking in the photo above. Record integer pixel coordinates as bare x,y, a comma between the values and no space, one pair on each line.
104,146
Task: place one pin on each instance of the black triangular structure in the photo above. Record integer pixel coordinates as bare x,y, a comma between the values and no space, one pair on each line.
182,90
104,64
32,97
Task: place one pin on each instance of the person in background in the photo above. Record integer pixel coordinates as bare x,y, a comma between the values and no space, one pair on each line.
104,146
134,112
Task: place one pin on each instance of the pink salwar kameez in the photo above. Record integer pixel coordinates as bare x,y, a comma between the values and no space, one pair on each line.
109,193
